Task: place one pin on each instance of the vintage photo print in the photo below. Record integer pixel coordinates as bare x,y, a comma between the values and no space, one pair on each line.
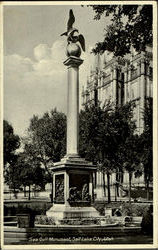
79,125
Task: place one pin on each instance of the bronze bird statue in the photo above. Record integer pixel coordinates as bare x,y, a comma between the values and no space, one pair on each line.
72,34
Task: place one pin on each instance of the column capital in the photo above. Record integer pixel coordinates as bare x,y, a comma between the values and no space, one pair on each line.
73,61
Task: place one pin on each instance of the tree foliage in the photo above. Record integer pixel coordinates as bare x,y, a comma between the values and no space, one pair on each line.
12,176
146,144
43,145
11,142
24,172
30,170
46,138
131,25
103,129
102,132
129,157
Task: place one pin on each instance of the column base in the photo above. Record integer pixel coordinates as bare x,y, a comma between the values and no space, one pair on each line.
60,212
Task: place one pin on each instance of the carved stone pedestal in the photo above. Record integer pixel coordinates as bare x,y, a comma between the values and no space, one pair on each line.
73,189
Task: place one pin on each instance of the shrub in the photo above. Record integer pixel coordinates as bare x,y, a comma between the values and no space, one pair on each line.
147,221
39,207
134,209
44,220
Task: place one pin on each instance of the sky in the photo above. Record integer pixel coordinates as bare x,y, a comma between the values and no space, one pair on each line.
35,79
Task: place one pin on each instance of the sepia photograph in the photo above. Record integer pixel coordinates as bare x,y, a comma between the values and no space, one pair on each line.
79,125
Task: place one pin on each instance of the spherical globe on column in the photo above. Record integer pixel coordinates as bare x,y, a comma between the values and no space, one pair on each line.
73,49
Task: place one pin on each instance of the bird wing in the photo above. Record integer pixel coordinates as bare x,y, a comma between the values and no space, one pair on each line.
82,41
64,34
71,20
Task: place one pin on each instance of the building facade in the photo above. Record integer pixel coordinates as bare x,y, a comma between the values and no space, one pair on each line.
120,80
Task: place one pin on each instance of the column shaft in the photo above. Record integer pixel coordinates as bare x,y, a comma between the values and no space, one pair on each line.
142,95
72,111
125,87
115,85
73,64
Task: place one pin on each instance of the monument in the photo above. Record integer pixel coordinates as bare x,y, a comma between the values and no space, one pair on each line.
73,175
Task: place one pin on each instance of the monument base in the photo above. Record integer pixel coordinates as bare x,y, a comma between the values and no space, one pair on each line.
60,212
73,192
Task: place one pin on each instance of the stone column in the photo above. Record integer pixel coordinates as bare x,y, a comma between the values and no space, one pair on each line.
66,188
138,94
73,64
99,186
129,83
91,185
114,84
142,93
101,89
147,79
119,88
53,186
125,85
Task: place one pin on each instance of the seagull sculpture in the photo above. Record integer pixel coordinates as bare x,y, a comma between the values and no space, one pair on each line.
72,34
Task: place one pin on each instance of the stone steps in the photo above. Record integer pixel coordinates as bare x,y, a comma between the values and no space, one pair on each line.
10,221
10,218
13,235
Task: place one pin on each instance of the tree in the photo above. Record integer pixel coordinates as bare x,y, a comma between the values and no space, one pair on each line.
102,130
128,154
12,176
131,25
24,172
90,119
146,144
30,171
46,138
11,142
93,130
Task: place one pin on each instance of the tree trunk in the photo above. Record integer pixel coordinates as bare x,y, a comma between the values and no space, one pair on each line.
115,192
147,189
51,180
14,192
108,185
104,184
24,191
129,190
117,185
15,195
29,193
52,191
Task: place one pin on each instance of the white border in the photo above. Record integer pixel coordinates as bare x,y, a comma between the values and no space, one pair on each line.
155,135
